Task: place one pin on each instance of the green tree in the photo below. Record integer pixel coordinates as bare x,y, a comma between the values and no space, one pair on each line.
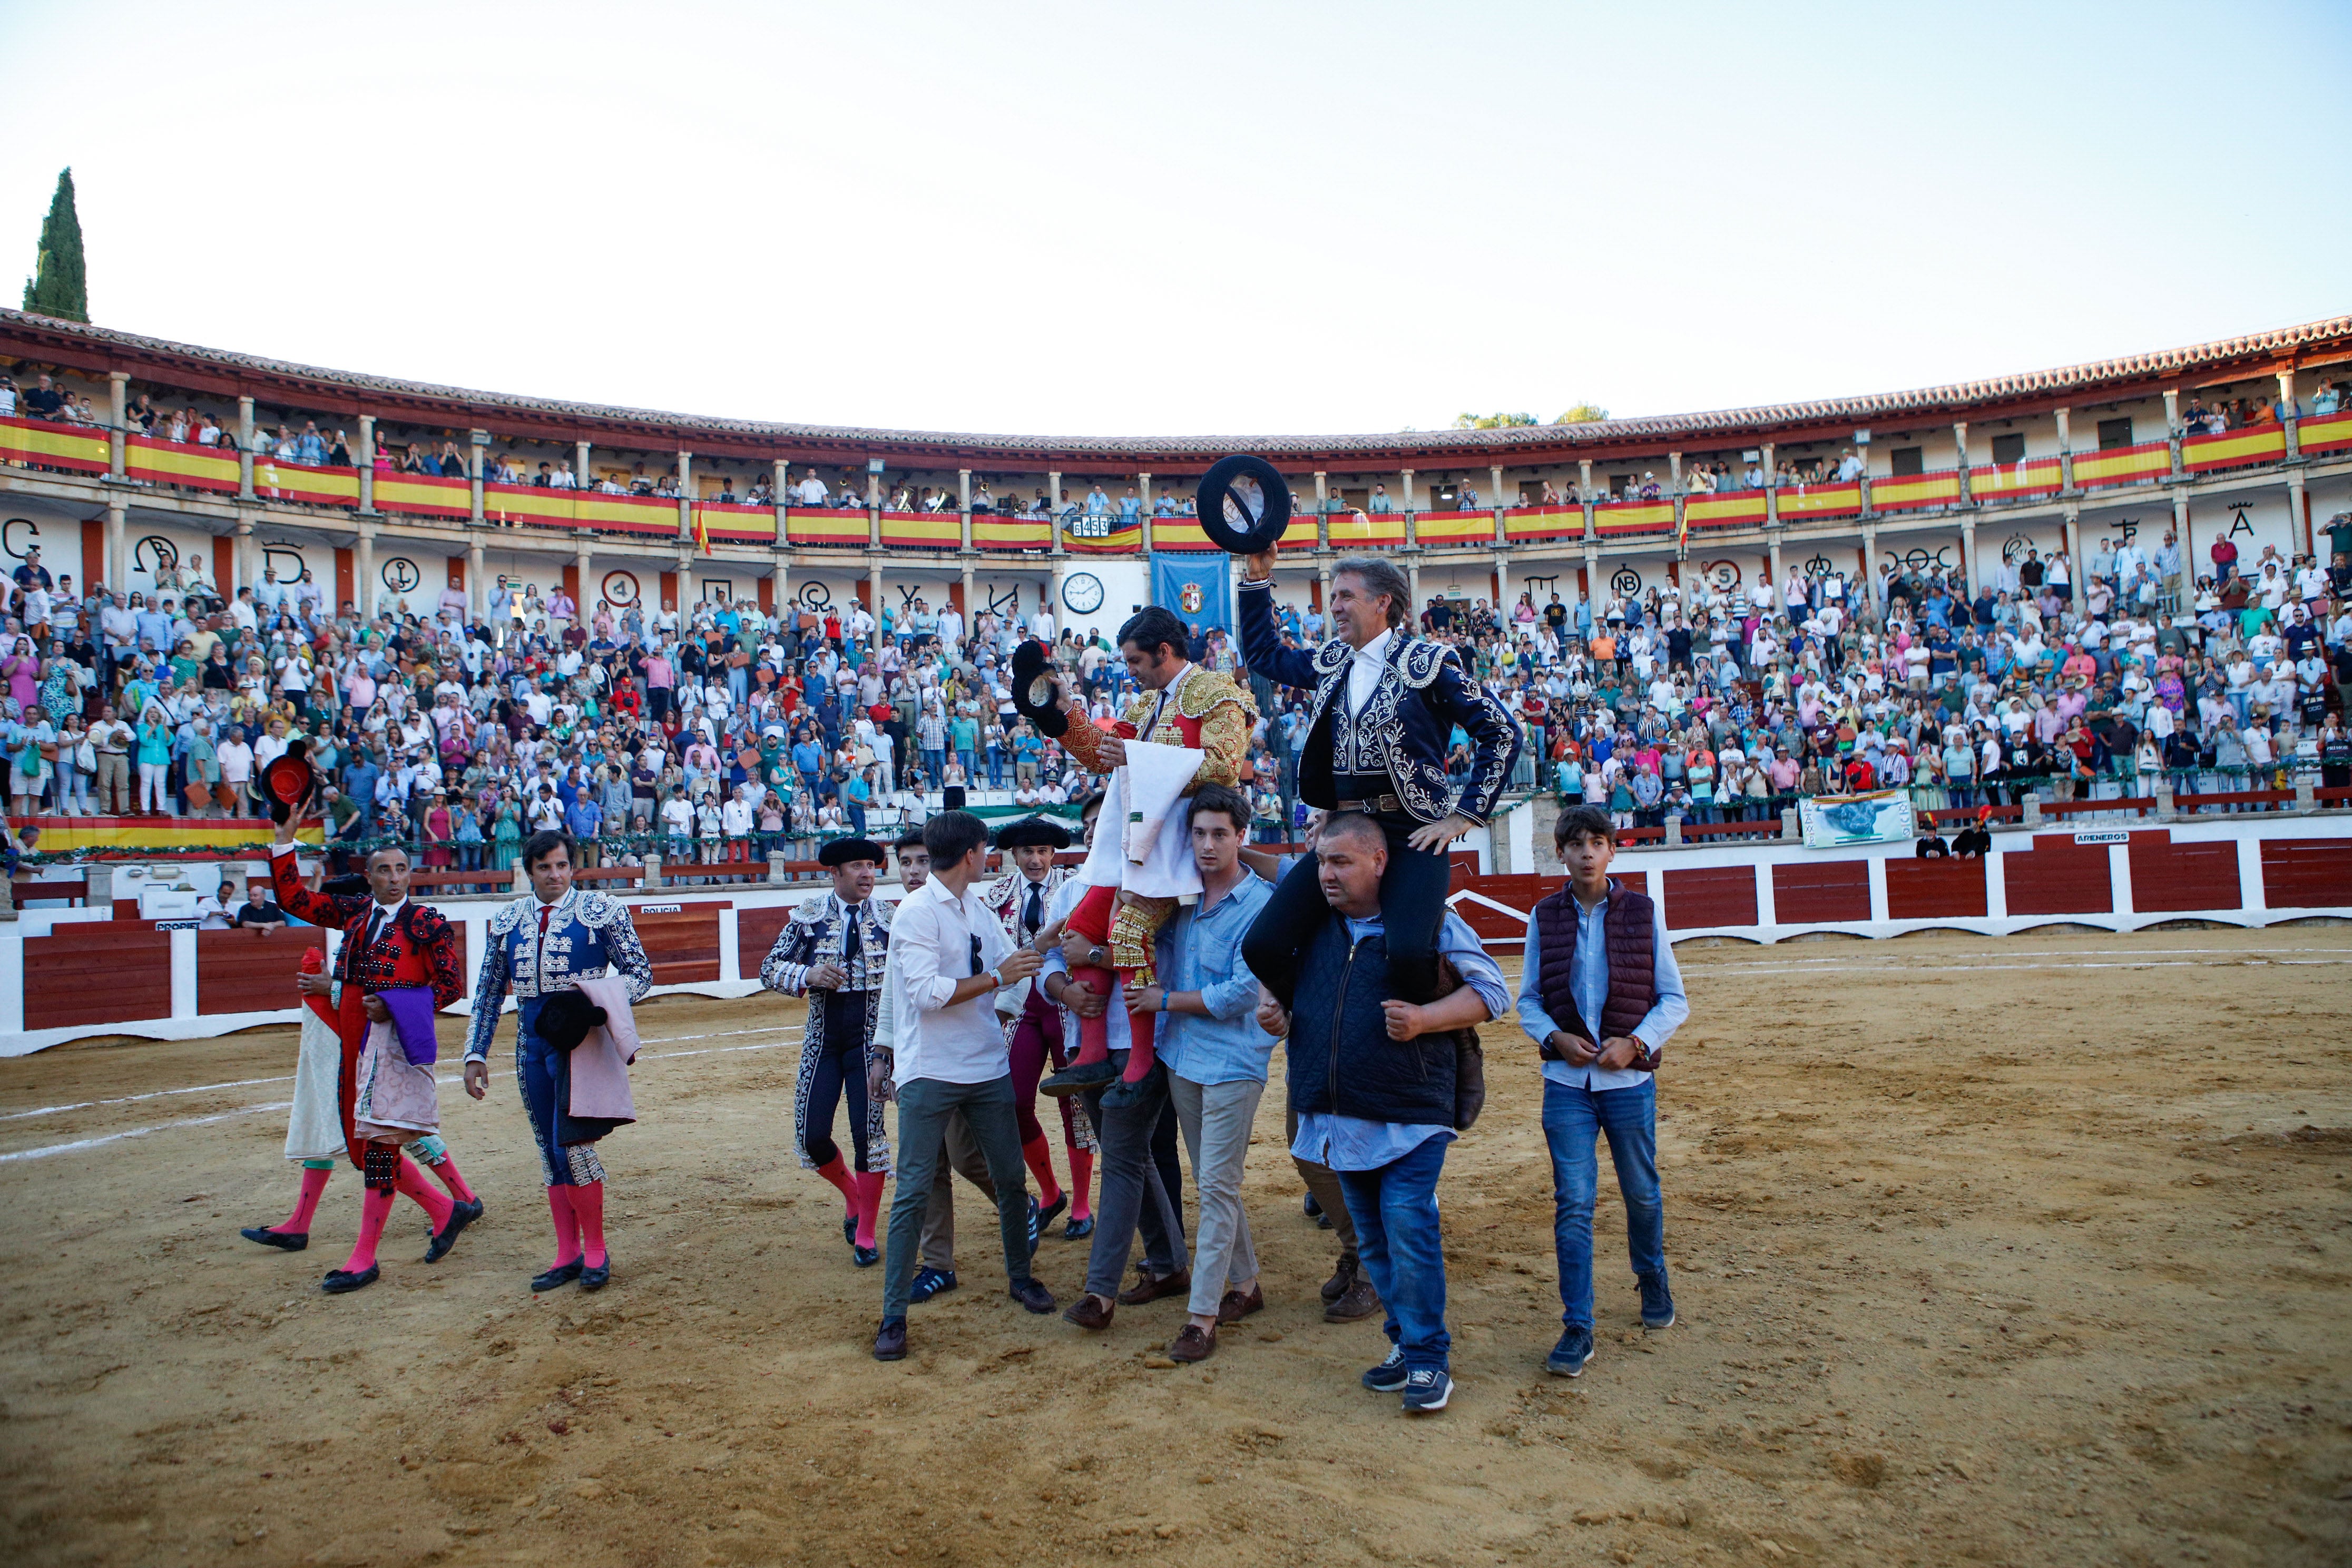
1491,421
58,286
1584,413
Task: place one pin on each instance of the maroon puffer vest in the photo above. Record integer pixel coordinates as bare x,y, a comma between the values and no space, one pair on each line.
1631,924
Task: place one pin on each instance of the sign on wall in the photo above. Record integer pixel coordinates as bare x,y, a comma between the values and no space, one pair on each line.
1831,820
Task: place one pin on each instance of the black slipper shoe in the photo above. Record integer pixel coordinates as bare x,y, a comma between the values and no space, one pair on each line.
284,1240
460,1217
1079,1079
340,1282
597,1279
562,1274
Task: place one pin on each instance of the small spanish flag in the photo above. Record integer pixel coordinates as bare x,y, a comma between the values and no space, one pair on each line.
701,531
1682,528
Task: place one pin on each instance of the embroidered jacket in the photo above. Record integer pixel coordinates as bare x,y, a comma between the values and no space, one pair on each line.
420,929
816,934
1007,896
1405,726
1207,711
587,935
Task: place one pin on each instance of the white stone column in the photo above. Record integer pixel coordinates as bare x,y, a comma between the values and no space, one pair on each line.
1960,445
239,572
1969,554
1054,510
117,431
2074,570
116,565
2286,413
2065,454
2172,435
1495,478
580,463
1322,509
244,447
1771,494
582,562
363,570
963,491
2298,511
477,595
478,442
684,510
783,503
367,463
1143,490
873,606
1411,527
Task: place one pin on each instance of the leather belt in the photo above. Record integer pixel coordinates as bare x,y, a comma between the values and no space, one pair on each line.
1372,805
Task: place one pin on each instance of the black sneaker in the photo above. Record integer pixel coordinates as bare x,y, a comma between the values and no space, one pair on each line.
1657,1301
929,1282
1426,1390
1032,1296
1569,1356
1389,1375
1314,1209
1035,1228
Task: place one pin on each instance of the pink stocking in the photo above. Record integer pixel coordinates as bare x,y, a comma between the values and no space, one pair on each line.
588,1205
306,1207
868,1201
560,1203
375,1209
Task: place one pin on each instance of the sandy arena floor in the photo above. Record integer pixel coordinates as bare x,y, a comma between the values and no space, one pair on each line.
2021,1253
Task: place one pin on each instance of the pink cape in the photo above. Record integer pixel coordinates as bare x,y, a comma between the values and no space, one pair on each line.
600,1067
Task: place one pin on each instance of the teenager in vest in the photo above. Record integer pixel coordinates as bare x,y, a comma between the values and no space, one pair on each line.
1601,994
1371,1077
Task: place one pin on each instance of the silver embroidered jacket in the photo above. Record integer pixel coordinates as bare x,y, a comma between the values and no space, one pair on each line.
815,935
587,934
1404,728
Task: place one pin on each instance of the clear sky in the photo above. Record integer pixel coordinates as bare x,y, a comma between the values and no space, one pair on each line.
1096,218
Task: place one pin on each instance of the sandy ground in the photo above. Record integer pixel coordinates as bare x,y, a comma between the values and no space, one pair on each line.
2012,1252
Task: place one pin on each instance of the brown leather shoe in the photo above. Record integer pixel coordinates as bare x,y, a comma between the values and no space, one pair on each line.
1342,1278
1359,1301
1087,1312
1151,1289
1193,1343
1236,1306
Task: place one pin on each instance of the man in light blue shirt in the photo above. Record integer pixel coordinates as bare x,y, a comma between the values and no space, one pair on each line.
1602,1026
1216,1056
1373,1080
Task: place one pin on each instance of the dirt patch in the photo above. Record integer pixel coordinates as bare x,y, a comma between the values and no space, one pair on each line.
1985,1251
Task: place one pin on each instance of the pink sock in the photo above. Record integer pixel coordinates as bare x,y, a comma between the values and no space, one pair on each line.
1082,1176
412,1181
306,1207
375,1209
869,1204
446,1170
836,1172
588,1205
567,1225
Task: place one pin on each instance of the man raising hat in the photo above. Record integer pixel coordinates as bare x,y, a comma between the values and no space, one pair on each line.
833,952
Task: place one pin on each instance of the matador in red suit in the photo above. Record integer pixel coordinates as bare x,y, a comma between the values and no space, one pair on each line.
397,958
1182,705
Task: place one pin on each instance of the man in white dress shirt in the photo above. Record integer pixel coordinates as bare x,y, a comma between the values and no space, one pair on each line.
952,960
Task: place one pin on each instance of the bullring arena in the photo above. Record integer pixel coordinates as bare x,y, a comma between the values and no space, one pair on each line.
1979,746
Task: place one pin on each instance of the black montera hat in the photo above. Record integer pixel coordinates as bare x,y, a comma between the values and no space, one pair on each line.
1227,515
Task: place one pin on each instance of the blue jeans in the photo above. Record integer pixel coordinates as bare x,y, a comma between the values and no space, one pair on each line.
1397,1237
1572,1118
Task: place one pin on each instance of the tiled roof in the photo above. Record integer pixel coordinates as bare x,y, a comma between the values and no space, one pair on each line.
459,405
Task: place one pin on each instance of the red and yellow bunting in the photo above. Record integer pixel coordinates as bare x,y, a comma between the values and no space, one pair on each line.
1438,529
926,531
2332,433
2233,449
1613,518
732,522
826,525
274,481
55,446
1739,509
2122,465
421,495
1122,538
1179,534
1356,532
1800,502
1526,524
993,532
2010,481
179,463
1913,492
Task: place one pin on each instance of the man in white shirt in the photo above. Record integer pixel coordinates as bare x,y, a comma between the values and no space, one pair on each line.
952,960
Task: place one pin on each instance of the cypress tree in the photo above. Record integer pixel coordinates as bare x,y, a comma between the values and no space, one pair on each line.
58,286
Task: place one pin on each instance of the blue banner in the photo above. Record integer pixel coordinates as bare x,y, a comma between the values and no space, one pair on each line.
1197,586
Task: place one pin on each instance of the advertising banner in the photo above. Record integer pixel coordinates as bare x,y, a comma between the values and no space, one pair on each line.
1831,820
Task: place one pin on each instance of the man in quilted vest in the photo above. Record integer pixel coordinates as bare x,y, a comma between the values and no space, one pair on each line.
1601,994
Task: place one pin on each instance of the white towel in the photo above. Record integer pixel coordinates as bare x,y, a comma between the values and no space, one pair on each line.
1142,841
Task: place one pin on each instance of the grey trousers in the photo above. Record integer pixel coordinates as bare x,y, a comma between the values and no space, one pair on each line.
1324,1183
1217,1118
1132,1193
963,1157
924,1106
